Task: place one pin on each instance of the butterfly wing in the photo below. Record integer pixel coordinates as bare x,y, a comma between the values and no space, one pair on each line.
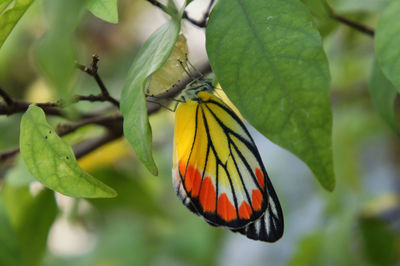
269,227
217,171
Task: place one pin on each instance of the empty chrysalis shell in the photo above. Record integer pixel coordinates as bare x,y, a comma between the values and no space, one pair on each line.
171,72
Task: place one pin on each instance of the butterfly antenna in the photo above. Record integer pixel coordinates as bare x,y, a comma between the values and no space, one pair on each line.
186,69
195,69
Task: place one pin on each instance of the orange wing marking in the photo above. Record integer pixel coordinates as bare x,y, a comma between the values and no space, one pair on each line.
225,208
256,199
245,210
208,195
260,177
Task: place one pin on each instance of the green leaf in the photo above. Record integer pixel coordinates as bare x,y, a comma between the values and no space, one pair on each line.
105,9
387,42
268,57
10,17
31,218
56,55
52,162
383,96
150,58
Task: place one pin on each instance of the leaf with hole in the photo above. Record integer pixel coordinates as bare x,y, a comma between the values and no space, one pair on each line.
52,162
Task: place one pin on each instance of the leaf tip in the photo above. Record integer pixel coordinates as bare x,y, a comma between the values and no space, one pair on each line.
153,168
330,185
111,193
104,192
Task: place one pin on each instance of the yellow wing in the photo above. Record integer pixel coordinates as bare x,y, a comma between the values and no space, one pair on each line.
217,170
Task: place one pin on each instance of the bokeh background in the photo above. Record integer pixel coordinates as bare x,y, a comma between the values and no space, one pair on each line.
356,224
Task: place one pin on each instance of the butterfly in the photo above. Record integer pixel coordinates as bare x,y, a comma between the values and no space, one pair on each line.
217,170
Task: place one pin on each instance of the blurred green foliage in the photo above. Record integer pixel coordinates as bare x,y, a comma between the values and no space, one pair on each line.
356,224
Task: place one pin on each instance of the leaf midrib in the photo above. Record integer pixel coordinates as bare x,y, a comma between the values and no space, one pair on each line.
73,169
276,75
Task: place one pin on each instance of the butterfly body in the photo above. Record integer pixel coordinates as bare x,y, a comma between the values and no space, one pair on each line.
217,170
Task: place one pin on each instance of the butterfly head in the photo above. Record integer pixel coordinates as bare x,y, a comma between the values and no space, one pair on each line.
193,88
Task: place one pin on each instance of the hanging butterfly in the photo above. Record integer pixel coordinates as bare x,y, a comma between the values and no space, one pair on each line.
217,169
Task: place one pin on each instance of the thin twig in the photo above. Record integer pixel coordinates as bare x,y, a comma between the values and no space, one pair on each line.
93,72
7,99
203,22
91,98
355,25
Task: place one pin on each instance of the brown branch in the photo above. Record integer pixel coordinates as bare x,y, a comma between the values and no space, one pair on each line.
110,122
91,98
113,123
49,108
21,106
